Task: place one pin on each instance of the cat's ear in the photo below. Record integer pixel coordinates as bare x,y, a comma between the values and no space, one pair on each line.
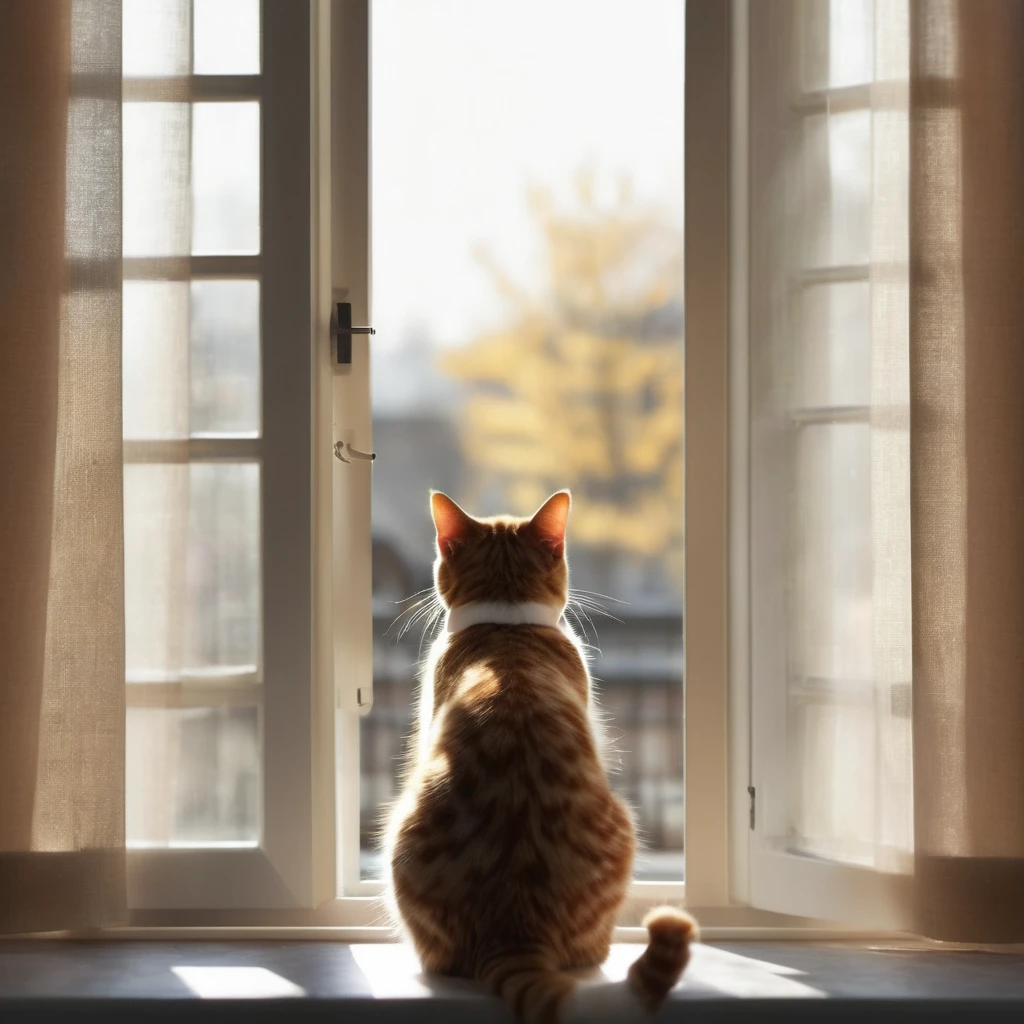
452,524
548,524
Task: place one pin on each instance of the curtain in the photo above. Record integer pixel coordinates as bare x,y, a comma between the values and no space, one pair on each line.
61,552
887,419
966,191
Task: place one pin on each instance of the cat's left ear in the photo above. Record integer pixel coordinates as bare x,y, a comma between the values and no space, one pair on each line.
452,524
549,522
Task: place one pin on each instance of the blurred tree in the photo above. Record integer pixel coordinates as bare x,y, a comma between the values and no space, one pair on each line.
583,387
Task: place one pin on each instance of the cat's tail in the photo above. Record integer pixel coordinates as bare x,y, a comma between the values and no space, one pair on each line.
532,986
661,964
537,992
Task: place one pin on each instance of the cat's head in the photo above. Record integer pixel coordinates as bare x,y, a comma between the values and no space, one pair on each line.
501,558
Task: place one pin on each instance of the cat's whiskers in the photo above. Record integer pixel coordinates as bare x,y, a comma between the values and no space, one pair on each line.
420,613
415,612
411,610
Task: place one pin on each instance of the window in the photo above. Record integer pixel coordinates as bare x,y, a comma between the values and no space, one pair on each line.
526,268
829,457
519,248
216,409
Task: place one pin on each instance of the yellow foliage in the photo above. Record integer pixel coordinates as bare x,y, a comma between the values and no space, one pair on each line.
583,386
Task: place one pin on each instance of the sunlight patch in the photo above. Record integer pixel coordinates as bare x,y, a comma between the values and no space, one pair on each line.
237,983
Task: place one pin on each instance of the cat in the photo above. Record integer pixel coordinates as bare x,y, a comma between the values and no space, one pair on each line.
509,855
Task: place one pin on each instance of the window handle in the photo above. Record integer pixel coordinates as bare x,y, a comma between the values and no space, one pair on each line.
343,330
341,449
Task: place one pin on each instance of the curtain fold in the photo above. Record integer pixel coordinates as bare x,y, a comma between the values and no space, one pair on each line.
61,526
967,465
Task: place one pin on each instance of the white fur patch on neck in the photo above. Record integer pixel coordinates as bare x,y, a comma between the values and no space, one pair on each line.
503,613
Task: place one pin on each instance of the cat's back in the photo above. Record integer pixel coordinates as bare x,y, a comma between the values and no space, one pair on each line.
513,818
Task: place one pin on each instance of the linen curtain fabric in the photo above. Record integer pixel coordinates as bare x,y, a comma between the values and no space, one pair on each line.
61,561
966,190
887,365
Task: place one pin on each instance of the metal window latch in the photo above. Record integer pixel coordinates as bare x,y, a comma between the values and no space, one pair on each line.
343,330
341,450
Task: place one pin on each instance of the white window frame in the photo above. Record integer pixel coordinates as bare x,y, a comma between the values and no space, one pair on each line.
779,879
325,44
278,873
353,636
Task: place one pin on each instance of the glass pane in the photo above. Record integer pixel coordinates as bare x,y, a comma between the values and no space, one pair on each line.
154,38
192,570
833,361
837,42
227,37
225,369
191,361
527,295
835,190
832,541
831,747
192,776
155,370
225,178
155,144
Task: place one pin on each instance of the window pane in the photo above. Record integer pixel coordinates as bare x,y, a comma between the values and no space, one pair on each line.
833,361
225,178
527,295
154,38
227,37
836,37
192,776
191,363
835,189
155,179
225,368
833,566
155,370
192,572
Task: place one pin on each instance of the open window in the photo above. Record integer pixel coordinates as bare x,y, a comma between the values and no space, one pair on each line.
217,482
518,249
829,512
521,250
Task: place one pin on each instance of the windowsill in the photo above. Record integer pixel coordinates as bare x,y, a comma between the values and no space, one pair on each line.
380,982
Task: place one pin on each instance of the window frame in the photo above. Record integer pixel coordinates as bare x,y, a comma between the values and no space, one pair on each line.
783,880
352,419
330,197
278,872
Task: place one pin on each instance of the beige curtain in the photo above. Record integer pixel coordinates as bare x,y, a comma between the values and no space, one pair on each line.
61,551
887,299
967,465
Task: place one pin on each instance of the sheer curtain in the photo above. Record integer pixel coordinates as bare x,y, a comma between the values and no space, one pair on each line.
61,553
887,333
157,146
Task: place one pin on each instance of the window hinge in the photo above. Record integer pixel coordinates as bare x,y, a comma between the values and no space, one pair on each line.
753,801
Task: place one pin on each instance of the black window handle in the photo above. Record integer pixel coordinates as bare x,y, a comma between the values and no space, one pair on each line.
343,330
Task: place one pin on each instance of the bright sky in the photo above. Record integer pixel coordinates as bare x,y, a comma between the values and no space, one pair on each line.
473,102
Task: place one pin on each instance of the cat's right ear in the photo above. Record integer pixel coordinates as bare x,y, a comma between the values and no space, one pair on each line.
452,524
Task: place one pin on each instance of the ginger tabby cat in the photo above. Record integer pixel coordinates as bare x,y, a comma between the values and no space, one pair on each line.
509,854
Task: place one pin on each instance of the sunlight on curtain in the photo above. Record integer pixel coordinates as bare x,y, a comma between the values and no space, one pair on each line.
967,369
61,604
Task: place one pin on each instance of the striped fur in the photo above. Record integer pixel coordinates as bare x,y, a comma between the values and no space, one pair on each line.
509,854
